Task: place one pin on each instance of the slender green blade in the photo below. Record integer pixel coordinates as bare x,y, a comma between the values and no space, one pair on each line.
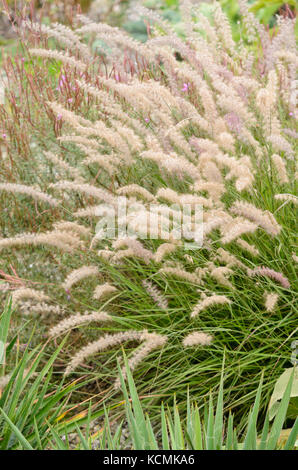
218,422
210,426
164,430
197,429
17,432
229,444
265,431
250,441
291,442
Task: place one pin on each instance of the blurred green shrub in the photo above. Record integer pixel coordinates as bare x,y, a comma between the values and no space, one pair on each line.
265,10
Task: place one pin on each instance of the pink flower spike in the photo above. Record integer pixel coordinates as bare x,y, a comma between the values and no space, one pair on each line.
185,87
69,100
291,114
147,119
59,116
4,136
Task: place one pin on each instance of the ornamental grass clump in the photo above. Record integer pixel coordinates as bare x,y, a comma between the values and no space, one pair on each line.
189,119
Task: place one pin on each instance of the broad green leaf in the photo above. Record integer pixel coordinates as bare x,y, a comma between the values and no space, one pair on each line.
280,415
279,391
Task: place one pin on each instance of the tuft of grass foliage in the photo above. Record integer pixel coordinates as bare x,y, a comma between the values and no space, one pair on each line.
32,416
32,403
208,430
